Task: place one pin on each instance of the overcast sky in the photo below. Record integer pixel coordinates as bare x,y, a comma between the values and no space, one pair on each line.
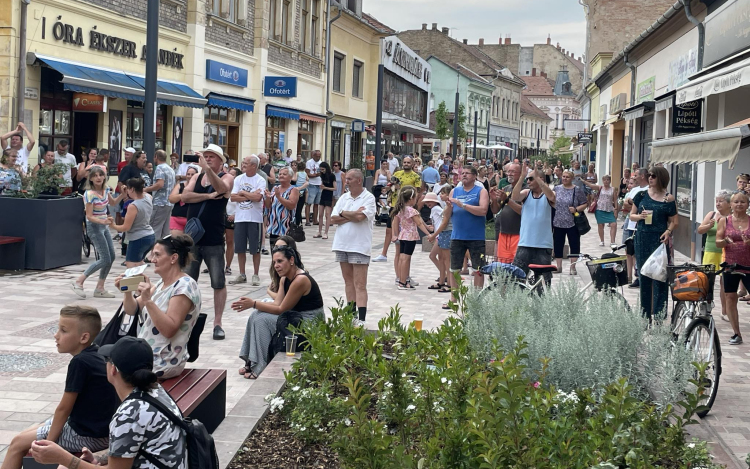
527,21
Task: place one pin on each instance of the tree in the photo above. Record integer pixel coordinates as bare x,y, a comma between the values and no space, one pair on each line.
462,122
441,122
561,143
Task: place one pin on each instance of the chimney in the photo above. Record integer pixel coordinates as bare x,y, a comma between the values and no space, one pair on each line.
500,41
507,39
424,26
446,30
558,46
544,74
466,41
563,50
549,40
571,55
481,41
434,26
579,59
533,72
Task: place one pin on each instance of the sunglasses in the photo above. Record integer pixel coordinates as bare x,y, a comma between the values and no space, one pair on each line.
530,178
652,175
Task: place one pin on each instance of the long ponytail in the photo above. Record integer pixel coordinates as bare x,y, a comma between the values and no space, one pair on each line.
405,195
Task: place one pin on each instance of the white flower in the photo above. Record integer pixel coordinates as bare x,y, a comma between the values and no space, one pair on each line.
302,429
443,380
347,422
691,445
410,407
295,389
403,375
388,384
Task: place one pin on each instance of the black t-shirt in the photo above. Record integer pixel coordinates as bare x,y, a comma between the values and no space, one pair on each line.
97,400
213,216
128,172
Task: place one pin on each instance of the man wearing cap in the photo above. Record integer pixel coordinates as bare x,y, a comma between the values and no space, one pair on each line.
210,190
127,154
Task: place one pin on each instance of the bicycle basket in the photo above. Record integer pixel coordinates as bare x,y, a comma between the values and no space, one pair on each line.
691,282
608,272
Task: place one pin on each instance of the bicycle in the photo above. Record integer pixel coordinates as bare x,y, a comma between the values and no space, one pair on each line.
693,297
86,241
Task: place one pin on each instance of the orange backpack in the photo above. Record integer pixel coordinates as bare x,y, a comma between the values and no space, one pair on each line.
690,286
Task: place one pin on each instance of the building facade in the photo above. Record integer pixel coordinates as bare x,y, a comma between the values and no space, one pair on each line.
554,99
534,129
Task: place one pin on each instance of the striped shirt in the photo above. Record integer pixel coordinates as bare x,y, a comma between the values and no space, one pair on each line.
280,217
100,203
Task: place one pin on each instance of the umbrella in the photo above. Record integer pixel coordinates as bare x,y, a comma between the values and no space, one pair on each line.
498,146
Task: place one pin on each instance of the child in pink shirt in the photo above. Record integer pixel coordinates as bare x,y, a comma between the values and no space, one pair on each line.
406,220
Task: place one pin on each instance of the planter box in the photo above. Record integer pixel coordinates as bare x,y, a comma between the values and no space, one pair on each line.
53,229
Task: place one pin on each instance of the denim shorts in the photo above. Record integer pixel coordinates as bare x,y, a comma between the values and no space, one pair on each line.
214,259
444,240
138,248
313,194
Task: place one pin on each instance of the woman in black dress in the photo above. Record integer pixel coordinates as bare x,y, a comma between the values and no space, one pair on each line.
328,187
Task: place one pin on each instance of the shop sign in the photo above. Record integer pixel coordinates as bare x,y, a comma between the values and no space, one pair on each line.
282,87
398,58
574,126
358,126
70,34
646,90
686,117
726,31
89,102
617,104
225,73
585,137
418,139
31,93
681,68
341,125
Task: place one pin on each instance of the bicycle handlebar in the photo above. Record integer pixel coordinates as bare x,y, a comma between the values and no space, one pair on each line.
730,268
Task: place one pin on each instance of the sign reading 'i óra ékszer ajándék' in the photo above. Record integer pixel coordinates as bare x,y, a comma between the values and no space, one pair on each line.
281,87
225,73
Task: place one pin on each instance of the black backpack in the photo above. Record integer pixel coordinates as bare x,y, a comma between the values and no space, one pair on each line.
200,444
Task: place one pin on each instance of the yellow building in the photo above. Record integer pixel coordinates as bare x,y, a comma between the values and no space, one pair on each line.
355,56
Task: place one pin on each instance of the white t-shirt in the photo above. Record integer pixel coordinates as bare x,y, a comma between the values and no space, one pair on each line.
23,158
355,236
436,215
287,159
70,161
631,225
182,169
314,167
248,211
393,164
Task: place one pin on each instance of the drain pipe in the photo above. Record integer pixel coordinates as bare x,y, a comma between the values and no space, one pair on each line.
701,31
329,116
21,85
632,102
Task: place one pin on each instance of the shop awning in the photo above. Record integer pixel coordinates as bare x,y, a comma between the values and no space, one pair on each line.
173,93
94,80
284,113
312,118
722,80
230,102
665,101
637,111
407,126
718,146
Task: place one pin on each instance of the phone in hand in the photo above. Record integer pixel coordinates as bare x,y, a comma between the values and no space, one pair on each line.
190,158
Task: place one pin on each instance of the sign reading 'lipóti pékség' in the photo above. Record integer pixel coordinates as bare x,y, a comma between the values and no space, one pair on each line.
686,117
225,73
281,87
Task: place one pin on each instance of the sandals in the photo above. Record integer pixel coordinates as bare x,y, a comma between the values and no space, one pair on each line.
444,289
437,286
325,236
248,373
318,236
446,306
745,298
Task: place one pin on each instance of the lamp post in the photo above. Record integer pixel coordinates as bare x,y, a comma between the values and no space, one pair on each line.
379,119
152,53
455,119
474,153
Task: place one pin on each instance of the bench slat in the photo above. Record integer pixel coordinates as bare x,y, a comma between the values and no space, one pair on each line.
11,240
192,397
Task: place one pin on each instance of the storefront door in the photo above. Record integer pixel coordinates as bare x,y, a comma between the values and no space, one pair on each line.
85,130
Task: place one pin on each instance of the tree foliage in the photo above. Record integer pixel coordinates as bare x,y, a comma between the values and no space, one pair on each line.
560,144
441,122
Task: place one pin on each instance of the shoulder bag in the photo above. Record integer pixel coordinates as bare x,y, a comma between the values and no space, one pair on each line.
580,218
111,332
194,227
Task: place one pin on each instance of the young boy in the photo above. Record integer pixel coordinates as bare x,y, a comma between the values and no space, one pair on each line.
82,417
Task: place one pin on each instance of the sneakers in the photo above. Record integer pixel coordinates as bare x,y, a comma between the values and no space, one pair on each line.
256,280
380,258
241,278
228,271
411,282
635,284
218,333
735,340
356,322
103,294
78,290
264,251
601,243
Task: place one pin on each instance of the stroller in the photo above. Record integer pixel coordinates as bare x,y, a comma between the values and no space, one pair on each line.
383,212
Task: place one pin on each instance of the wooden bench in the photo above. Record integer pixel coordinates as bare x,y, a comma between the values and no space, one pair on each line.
12,253
200,394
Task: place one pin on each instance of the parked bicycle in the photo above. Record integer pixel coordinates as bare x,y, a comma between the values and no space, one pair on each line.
692,289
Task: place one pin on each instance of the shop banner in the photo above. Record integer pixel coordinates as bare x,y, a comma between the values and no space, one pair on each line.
686,117
281,87
646,90
225,73
115,140
727,31
177,136
89,102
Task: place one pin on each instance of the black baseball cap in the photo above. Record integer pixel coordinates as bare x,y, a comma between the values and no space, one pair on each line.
129,354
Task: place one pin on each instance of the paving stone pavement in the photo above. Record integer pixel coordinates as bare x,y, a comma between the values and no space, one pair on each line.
30,303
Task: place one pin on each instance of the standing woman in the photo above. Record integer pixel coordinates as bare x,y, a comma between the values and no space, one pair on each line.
328,187
97,197
340,179
382,176
283,202
733,235
656,213
712,254
300,182
179,210
570,201
606,208
136,224
591,178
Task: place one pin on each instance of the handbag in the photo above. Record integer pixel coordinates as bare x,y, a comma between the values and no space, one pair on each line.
580,219
111,332
193,345
592,207
194,227
297,233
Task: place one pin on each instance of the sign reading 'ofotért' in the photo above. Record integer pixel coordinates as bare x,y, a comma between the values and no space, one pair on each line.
282,87
226,73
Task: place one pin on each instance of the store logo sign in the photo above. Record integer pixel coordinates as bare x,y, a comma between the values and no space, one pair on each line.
282,87
89,102
225,73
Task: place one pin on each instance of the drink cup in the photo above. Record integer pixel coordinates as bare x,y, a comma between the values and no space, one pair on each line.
291,345
649,217
418,322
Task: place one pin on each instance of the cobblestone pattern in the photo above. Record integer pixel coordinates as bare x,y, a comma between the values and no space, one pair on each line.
20,364
168,15
239,40
43,331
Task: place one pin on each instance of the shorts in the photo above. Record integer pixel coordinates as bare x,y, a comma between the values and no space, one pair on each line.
71,441
248,233
138,248
177,223
713,258
390,217
214,258
507,245
352,257
444,239
407,247
313,194
459,247
732,282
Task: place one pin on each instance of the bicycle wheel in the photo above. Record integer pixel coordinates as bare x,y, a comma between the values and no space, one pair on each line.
681,318
497,285
86,244
705,349
617,296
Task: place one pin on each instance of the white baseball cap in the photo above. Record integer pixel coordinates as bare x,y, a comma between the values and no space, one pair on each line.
130,150
215,149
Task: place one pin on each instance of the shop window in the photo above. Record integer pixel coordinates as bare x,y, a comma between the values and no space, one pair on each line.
357,77
136,126
226,9
356,151
304,42
336,136
222,127
305,139
285,12
338,71
314,25
403,99
684,188
275,127
55,114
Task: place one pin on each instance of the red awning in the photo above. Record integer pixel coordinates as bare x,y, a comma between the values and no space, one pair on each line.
308,117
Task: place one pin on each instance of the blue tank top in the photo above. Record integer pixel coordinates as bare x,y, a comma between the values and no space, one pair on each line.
536,223
467,226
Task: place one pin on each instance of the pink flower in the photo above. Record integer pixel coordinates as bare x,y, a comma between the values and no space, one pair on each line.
536,384
492,361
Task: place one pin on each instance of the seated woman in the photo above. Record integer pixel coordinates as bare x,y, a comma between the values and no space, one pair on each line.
273,288
297,292
168,309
